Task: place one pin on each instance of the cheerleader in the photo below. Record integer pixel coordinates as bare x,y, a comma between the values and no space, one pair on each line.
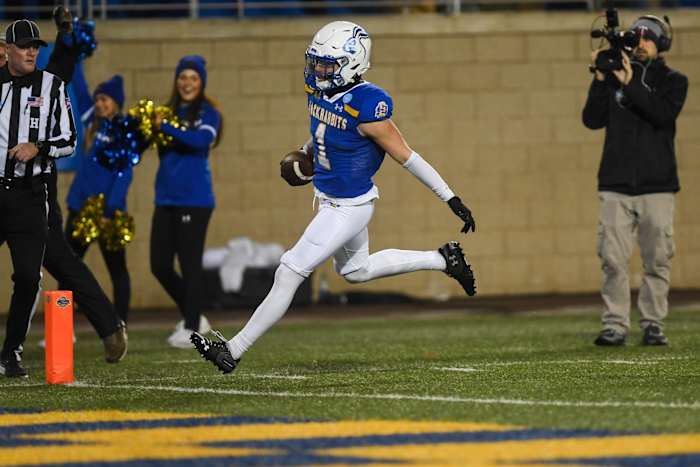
93,178
184,195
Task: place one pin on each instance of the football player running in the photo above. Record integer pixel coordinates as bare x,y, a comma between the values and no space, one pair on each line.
351,130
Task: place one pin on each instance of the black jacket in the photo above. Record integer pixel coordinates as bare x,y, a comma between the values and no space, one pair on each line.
640,127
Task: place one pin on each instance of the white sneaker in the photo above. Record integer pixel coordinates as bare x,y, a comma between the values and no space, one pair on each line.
181,339
42,343
204,325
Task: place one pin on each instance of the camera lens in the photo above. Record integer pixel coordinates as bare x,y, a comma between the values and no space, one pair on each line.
630,39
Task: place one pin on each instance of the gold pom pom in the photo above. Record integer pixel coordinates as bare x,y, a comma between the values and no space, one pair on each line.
145,113
118,231
86,226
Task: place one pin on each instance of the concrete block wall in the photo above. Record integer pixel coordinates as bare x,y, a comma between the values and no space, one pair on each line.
492,100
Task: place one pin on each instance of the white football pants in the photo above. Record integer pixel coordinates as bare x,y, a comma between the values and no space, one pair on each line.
340,232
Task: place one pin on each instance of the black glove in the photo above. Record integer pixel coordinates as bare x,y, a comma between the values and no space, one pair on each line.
63,19
463,213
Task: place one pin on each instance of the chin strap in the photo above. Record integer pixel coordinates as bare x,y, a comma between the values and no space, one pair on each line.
333,91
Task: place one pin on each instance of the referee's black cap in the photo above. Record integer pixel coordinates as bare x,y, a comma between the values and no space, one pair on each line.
22,33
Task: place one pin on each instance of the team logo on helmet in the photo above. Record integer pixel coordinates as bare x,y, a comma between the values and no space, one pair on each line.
350,46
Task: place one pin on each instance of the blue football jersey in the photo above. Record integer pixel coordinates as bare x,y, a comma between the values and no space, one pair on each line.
345,161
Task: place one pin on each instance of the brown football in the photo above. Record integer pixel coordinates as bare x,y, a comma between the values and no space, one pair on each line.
297,168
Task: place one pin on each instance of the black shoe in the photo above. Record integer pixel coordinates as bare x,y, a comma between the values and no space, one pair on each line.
12,368
215,352
653,335
116,344
610,337
457,266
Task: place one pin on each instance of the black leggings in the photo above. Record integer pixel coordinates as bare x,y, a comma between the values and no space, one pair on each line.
180,231
116,265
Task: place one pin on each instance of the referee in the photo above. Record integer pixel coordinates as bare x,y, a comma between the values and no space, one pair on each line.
35,124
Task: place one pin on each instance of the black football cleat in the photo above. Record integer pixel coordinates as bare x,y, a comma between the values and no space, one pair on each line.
457,266
216,352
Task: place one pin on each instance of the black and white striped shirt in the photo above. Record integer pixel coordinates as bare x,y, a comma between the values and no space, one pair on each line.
34,108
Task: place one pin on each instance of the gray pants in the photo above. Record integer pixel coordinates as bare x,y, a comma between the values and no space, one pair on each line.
650,219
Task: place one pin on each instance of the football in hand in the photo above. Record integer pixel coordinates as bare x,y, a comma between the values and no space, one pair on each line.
297,168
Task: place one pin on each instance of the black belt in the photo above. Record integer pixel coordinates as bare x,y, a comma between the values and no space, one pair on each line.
8,183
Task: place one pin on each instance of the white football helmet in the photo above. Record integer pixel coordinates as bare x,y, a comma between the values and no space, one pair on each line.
337,54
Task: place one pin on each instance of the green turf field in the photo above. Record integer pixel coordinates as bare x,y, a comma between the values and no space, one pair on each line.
529,369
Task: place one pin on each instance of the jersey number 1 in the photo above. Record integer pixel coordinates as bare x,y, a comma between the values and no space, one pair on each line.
321,146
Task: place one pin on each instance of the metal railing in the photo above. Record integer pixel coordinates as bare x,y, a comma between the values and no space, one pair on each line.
105,9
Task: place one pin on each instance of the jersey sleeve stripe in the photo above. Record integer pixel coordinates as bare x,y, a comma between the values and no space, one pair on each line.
351,111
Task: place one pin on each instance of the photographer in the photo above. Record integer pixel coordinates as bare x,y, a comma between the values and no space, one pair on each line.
637,179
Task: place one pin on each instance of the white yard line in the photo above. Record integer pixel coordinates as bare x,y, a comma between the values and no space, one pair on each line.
214,376
561,362
412,397
646,361
451,368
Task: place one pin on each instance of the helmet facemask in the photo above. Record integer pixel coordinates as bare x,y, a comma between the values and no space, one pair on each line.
325,71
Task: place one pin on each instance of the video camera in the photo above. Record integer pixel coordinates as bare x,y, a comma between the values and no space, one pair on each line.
611,59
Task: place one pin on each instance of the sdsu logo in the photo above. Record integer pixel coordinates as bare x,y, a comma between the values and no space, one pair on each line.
381,110
350,46
63,302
